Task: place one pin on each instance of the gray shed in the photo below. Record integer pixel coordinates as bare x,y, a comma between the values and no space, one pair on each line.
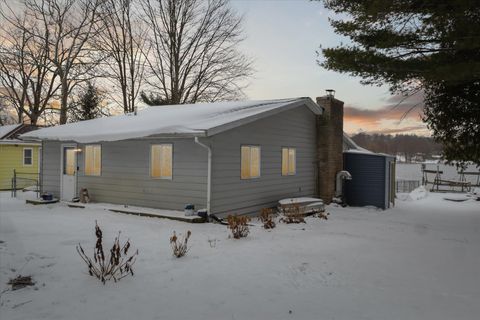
373,179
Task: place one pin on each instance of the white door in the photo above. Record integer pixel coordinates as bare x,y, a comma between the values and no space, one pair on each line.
69,173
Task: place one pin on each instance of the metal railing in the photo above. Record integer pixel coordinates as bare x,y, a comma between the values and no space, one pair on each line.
405,186
24,180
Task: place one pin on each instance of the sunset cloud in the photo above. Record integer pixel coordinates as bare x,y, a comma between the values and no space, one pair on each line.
398,115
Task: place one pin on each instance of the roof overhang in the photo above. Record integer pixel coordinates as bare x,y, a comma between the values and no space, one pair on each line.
19,142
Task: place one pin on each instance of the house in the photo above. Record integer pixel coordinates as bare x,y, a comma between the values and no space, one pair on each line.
373,180
229,157
18,155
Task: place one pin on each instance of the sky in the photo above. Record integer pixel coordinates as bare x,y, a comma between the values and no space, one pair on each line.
282,37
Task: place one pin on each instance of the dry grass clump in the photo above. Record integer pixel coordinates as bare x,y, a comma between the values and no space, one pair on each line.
180,247
238,225
323,215
267,218
292,213
21,282
116,266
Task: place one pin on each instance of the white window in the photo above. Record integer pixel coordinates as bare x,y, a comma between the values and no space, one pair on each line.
93,160
250,162
289,159
161,156
27,156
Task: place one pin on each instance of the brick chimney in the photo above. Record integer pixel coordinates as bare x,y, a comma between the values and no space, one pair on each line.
329,144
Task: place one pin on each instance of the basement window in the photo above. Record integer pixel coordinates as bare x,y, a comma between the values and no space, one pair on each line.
250,162
93,160
289,161
161,163
27,156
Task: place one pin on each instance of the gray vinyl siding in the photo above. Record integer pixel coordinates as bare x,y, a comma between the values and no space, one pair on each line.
125,175
50,168
293,128
368,184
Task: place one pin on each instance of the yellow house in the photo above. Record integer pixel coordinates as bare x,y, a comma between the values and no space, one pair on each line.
18,155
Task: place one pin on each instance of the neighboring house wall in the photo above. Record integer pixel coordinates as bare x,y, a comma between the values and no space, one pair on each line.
294,128
125,174
11,157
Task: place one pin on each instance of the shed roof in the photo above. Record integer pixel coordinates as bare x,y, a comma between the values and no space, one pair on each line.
356,149
202,119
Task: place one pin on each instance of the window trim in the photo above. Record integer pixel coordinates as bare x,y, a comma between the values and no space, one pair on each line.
150,166
259,161
288,157
85,160
31,157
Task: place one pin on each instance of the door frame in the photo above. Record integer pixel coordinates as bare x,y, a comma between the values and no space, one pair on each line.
62,146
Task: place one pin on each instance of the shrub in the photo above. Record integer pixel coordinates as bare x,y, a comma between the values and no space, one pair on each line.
116,266
180,248
266,217
292,213
323,215
238,225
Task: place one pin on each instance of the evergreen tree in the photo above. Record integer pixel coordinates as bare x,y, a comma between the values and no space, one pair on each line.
153,99
430,46
453,114
88,105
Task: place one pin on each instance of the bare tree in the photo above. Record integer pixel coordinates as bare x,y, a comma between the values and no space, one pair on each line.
195,53
65,26
6,113
122,37
28,84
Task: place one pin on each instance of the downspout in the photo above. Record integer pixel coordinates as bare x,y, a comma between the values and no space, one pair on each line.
209,173
341,175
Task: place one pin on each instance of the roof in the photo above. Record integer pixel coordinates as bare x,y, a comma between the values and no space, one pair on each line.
350,144
202,119
6,130
354,148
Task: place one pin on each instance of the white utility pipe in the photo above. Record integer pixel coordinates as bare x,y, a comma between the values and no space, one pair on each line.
209,174
341,175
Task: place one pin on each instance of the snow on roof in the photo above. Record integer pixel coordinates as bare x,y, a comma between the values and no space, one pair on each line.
368,152
355,148
5,130
202,119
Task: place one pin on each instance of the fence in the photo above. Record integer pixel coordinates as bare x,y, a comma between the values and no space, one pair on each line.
404,186
23,180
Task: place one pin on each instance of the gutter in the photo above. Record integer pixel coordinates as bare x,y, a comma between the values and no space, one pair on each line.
209,173
19,143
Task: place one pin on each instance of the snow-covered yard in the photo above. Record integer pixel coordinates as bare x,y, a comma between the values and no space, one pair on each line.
420,260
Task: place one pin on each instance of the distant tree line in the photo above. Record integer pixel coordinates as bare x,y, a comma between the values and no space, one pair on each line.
408,146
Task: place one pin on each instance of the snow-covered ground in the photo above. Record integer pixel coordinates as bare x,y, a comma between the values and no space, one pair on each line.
419,260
